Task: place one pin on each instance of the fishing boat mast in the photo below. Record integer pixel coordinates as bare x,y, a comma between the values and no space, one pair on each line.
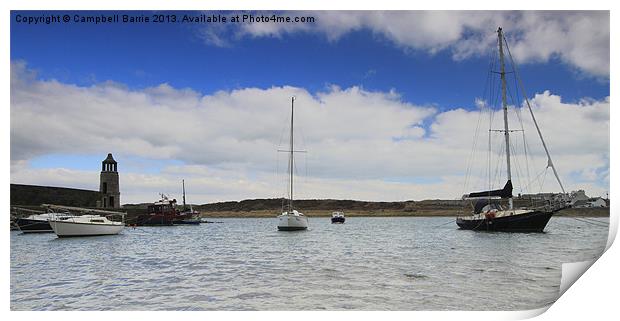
183,181
505,108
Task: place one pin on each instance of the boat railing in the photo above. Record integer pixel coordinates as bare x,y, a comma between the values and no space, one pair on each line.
23,212
549,205
69,210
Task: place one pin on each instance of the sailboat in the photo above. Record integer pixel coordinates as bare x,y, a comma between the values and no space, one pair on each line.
91,223
488,214
188,216
291,219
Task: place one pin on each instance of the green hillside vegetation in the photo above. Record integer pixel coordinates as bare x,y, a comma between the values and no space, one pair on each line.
33,196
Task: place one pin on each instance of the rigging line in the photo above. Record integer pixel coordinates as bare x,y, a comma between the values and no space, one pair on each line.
527,163
446,223
497,175
470,159
511,97
477,131
535,179
594,220
517,167
549,161
543,181
588,222
490,152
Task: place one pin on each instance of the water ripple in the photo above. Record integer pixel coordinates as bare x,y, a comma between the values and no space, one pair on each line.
246,264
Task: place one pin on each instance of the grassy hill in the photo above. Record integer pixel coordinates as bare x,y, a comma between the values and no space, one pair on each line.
33,196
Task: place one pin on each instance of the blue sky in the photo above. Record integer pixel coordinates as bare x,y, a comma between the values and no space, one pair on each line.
353,64
145,55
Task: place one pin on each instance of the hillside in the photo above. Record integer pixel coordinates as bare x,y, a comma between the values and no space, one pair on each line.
34,196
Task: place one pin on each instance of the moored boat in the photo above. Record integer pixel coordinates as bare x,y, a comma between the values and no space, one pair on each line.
188,216
160,213
338,218
291,219
488,213
36,222
85,225
91,222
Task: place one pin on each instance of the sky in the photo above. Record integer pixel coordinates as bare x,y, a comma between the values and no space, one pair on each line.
388,104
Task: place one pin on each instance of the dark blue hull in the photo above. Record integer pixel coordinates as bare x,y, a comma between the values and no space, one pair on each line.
337,220
33,226
291,228
186,222
529,222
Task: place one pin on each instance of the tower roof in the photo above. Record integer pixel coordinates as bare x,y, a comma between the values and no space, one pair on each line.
109,159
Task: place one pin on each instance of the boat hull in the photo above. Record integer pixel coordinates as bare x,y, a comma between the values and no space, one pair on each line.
187,222
292,222
154,220
33,226
73,229
338,220
534,221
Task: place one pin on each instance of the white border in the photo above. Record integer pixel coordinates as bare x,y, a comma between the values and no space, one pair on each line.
593,295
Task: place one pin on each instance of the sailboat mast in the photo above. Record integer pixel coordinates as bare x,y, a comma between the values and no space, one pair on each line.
291,160
505,107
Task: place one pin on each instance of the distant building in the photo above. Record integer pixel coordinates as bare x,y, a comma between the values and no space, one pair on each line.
108,184
589,203
579,195
546,197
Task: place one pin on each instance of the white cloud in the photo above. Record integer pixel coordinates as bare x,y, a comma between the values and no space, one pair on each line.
578,38
361,144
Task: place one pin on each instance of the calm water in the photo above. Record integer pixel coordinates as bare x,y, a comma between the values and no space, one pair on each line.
246,264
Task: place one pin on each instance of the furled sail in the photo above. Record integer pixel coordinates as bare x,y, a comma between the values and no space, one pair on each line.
505,192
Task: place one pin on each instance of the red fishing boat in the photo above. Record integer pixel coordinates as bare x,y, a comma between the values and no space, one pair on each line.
162,212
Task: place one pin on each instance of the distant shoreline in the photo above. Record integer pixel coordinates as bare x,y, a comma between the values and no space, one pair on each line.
569,212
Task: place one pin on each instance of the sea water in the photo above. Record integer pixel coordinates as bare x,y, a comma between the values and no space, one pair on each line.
386,263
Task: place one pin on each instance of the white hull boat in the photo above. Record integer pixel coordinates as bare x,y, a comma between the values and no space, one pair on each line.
293,221
85,225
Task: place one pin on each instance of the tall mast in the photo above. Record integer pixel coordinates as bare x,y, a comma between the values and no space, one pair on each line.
183,194
291,158
505,107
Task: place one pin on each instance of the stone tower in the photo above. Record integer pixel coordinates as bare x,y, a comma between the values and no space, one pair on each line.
108,184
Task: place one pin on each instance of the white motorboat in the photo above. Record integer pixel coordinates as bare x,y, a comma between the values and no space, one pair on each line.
291,219
338,218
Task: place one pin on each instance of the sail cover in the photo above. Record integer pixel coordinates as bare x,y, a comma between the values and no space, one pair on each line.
489,204
505,192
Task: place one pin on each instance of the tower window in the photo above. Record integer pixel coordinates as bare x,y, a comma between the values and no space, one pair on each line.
105,188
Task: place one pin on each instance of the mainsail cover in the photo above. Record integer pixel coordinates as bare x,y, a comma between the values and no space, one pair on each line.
505,192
